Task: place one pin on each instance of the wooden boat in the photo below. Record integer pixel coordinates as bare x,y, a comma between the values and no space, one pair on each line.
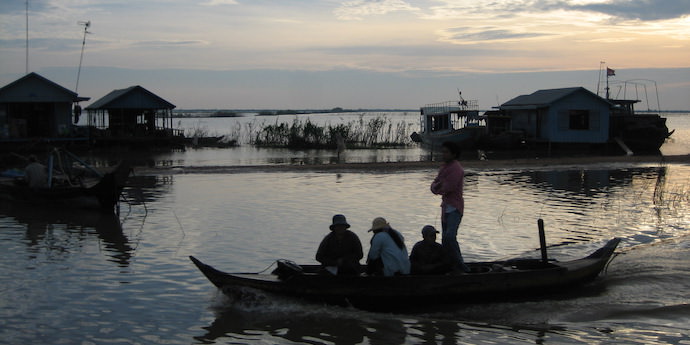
100,191
487,281
641,132
458,122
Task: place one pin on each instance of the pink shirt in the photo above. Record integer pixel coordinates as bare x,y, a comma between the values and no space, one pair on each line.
448,184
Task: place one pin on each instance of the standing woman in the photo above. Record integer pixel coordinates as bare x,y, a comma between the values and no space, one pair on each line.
449,183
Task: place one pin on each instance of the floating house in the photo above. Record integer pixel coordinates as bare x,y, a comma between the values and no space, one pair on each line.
35,109
133,117
567,115
572,118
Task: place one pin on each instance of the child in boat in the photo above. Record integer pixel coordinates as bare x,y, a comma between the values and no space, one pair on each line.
428,256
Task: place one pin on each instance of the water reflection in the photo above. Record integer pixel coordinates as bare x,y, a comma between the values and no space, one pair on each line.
142,189
584,182
307,329
42,235
313,324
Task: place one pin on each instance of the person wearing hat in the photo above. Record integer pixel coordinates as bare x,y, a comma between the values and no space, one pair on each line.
340,251
449,184
428,256
387,255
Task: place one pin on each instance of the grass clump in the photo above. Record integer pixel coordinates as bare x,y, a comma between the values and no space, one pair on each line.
377,132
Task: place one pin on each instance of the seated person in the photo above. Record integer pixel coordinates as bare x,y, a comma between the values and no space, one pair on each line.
35,174
387,255
428,256
340,251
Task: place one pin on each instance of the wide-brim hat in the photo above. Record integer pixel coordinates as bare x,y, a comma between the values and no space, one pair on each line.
379,223
339,219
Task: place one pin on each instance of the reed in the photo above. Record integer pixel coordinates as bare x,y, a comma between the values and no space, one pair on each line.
377,132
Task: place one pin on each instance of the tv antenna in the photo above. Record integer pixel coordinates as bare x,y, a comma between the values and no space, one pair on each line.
86,25
27,36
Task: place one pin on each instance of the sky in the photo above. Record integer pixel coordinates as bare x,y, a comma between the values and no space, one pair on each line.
259,54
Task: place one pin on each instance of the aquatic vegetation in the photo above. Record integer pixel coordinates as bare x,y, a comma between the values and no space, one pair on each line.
300,134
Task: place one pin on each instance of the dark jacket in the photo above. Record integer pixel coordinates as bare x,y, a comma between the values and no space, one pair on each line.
429,258
347,249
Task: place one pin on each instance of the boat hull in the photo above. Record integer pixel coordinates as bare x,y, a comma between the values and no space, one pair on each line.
641,133
466,138
101,194
489,281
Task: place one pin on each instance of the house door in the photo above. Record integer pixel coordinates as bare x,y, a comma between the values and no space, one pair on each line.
540,123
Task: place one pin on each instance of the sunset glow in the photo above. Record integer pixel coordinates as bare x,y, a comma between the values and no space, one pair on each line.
384,36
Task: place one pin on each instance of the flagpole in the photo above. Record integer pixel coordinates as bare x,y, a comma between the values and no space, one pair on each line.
607,83
609,72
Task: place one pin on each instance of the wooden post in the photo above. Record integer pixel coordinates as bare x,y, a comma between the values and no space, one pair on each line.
542,241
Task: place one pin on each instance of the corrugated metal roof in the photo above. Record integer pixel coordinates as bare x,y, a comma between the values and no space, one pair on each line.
133,97
34,88
544,98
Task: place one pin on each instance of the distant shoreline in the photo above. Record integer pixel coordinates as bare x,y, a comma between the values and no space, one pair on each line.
498,164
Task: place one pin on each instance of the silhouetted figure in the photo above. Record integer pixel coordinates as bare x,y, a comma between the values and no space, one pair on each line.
340,251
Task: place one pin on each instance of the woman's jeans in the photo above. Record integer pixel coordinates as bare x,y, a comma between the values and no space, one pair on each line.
450,222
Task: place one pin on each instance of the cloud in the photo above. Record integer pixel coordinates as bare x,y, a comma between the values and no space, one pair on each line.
220,2
491,34
646,10
15,7
464,35
358,9
161,43
43,44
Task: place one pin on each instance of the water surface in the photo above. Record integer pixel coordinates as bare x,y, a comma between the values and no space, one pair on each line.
84,278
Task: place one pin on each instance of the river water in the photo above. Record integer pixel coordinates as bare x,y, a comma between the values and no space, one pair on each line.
85,278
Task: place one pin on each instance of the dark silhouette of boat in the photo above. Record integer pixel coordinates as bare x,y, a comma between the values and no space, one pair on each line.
73,189
486,281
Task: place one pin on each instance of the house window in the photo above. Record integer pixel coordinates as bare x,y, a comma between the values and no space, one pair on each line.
579,119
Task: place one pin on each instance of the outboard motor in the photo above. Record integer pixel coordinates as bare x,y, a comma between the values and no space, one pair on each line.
287,269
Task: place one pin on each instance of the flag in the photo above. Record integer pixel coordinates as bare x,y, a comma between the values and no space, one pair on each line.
610,72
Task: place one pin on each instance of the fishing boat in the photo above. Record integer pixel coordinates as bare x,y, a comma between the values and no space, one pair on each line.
487,281
638,131
454,121
66,186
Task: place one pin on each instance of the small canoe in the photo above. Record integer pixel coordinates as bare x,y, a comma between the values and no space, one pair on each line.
488,281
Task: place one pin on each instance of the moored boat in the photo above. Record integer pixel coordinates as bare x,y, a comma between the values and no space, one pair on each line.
87,189
639,131
571,119
457,122
487,281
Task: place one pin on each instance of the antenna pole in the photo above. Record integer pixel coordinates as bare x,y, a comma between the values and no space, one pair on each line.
81,57
601,63
27,36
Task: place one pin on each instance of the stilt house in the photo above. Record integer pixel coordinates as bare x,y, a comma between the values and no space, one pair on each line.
567,115
33,108
132,115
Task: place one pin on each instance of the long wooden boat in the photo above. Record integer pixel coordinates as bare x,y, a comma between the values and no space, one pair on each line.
487,281
101,192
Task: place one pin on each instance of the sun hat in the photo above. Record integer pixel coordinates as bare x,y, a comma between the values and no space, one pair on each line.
428,230
339,219
378,223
